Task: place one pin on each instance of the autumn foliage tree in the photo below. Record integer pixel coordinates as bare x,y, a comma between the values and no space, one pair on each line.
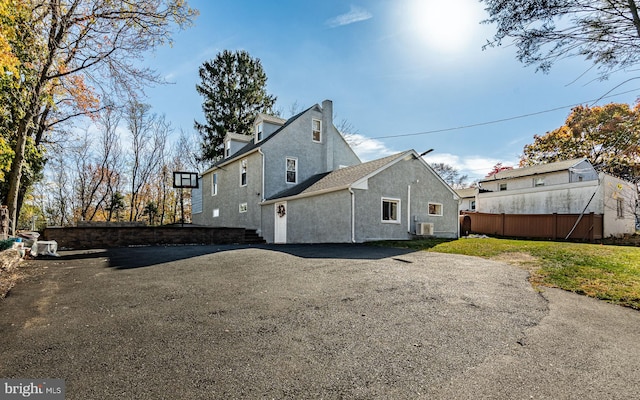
498,168
68,48
609,136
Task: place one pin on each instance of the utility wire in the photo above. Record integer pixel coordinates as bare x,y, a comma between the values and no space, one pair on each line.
500,120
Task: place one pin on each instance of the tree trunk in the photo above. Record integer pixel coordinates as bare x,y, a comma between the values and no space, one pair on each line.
15,175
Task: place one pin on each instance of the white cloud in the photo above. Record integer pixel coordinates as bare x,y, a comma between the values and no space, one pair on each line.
366,148
476,167
355,14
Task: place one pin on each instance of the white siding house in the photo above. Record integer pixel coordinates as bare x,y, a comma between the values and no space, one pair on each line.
566,187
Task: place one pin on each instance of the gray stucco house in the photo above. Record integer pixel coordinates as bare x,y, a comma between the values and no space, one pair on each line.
299,181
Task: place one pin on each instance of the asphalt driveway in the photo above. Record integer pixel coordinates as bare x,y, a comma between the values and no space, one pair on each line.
330,322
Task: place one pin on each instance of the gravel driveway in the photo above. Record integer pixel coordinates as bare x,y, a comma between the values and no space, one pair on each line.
317,321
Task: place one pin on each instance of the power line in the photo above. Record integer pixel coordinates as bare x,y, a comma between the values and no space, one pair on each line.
500,120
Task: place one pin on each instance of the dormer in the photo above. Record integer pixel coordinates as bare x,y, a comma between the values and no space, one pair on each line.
264,125
233,142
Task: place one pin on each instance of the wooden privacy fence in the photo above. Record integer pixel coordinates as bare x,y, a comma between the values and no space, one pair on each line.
547,226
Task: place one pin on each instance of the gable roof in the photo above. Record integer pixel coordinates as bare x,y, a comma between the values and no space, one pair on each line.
345,178
535,169
250,147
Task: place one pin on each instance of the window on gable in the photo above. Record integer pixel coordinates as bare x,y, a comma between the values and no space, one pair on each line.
243,173
214,184
316,130
292,170
391,210
620,208
259,131
435,209
242,208
503,187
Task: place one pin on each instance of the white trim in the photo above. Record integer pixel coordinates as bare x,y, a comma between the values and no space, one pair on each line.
398,210
246,168
215,213
429,204
259,132
286,170
313,120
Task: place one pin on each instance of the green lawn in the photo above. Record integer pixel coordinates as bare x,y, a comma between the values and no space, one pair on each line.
610,273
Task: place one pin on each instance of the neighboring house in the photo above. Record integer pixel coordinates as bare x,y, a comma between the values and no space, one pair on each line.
298,181
565,187
467,199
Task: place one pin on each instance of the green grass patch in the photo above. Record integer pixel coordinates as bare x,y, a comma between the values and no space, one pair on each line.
606,272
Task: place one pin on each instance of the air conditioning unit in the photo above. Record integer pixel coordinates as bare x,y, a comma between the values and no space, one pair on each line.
424,229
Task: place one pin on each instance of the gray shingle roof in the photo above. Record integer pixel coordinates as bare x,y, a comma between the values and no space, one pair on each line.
338,179
534,170
252,146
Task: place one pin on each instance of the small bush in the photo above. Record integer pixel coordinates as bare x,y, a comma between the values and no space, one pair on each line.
6,244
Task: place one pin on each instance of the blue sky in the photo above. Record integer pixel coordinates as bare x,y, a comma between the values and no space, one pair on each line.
393,68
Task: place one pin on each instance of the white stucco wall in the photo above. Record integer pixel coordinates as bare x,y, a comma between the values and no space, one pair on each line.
614,189
569,198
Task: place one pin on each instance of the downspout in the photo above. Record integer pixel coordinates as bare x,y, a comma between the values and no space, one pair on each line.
409,209
353,216
261,188
262,183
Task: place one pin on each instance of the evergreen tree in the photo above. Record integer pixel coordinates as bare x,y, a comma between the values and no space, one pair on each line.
234,89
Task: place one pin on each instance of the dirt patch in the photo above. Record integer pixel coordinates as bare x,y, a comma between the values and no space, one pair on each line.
521,260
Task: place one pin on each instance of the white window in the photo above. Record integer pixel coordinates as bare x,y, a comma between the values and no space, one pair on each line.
292,170
216,212
503,187
243,173
316,130
227,149
259,131
538,182
214,184
435,209
473,204
242,208
391,210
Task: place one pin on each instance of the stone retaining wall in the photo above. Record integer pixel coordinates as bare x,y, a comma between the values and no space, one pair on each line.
105,237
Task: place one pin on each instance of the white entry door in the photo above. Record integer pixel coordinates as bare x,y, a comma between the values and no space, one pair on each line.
280,224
